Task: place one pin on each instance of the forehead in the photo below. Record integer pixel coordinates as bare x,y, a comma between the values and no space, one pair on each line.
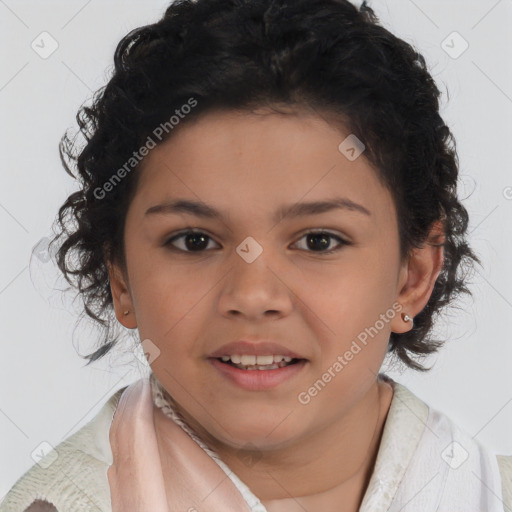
261,157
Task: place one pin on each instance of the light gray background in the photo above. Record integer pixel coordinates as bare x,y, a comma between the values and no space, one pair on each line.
47,393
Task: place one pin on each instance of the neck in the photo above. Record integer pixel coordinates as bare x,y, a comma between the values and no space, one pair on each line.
331,465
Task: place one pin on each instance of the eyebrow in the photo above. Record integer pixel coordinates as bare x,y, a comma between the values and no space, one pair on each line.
200,209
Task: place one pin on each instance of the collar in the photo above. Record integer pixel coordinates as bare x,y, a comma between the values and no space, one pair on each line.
404,426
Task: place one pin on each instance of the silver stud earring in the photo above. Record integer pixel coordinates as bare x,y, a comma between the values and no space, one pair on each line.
126,312
406,318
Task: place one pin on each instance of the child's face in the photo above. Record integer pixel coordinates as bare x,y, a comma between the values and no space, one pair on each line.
314,304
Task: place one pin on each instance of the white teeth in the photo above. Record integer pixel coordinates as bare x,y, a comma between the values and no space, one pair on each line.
264,360
249,360
246,360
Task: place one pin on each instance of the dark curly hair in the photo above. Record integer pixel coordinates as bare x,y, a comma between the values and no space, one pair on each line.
325,55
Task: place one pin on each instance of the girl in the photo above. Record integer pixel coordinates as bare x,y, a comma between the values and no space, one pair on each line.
268,194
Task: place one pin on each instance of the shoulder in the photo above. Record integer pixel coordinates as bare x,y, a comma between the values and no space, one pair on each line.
410,410
73,475
505,464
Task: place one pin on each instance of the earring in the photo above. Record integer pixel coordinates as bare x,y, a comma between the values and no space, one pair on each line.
407,318
126,312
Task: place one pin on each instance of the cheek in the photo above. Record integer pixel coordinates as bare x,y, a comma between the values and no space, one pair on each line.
350,308
169,302
362,282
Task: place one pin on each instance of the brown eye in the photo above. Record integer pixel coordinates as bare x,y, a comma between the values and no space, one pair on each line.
193,241
321,241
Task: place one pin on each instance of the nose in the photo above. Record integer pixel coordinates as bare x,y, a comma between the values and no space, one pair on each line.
255,290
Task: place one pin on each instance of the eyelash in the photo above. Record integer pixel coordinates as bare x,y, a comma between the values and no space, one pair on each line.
342,242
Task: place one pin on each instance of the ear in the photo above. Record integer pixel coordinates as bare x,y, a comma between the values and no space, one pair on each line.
121,296
418,276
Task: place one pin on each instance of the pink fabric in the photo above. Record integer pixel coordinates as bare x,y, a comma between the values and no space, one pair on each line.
136,479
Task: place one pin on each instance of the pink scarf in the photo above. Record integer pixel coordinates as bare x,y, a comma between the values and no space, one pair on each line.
136,479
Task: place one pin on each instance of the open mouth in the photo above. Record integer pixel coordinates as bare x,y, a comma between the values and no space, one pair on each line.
275,365
258,373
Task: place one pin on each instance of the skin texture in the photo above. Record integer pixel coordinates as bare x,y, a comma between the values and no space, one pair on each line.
190,303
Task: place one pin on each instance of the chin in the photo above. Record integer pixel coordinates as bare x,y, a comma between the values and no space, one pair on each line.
262,433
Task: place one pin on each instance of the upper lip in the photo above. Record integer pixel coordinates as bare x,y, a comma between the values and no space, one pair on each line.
261,348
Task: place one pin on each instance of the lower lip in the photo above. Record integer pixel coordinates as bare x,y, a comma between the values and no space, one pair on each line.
258,380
